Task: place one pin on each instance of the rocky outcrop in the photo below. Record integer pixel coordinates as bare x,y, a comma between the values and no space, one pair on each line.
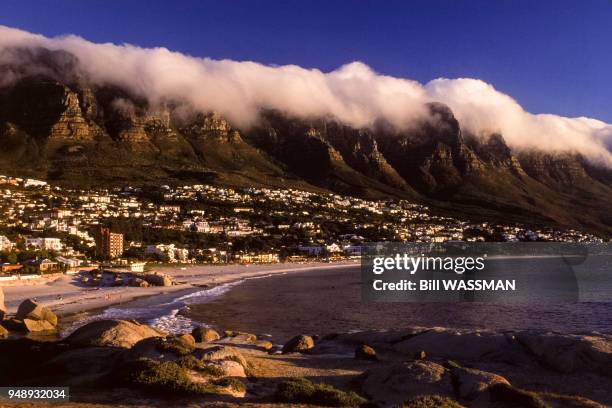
299,344
570,353
112,333
392,385
209,126
29,309
444,343
474,384
158,279
32,317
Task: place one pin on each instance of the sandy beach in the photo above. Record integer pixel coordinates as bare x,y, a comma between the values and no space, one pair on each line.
66,295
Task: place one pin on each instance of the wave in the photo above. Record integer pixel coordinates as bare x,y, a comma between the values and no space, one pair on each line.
166,316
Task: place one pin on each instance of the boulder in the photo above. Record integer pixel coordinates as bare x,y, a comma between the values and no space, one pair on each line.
240,337
3,333
218,353
392,385
158,279
186,339
112,333
29,309
471,383
148,348
204,335
264,344
37,326
300,344
365,352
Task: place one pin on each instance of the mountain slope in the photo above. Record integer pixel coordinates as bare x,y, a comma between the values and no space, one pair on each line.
56,126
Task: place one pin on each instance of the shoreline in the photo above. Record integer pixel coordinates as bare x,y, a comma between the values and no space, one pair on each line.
68,298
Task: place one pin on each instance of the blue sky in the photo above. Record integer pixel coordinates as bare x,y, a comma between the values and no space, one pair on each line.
552,56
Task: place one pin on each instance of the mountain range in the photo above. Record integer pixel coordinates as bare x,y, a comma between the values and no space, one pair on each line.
57,126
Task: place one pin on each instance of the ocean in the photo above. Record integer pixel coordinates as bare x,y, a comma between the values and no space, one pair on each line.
328,301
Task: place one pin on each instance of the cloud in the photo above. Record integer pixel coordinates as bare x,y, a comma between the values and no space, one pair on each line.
353,93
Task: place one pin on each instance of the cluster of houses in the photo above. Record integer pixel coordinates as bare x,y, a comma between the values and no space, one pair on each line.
294,224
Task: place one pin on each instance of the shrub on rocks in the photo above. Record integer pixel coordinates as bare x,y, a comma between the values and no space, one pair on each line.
165,378
365,352
300,390
219,353
232,383
170,378
300,344
3,333
191,363
205,335
181,345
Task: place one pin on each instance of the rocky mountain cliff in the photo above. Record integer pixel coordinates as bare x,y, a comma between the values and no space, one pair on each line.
56,126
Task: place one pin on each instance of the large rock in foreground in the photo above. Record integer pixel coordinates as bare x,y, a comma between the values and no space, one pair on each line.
112,333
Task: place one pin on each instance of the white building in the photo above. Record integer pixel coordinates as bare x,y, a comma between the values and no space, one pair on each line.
34,183
174,254
49,244
69,262
137,266
5,244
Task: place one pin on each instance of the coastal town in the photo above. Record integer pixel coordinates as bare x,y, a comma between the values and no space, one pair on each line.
46,228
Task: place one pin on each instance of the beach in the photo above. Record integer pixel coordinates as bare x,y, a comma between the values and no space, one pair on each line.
67,296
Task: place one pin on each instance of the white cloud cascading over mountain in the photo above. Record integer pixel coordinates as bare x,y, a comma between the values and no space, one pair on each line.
353,94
